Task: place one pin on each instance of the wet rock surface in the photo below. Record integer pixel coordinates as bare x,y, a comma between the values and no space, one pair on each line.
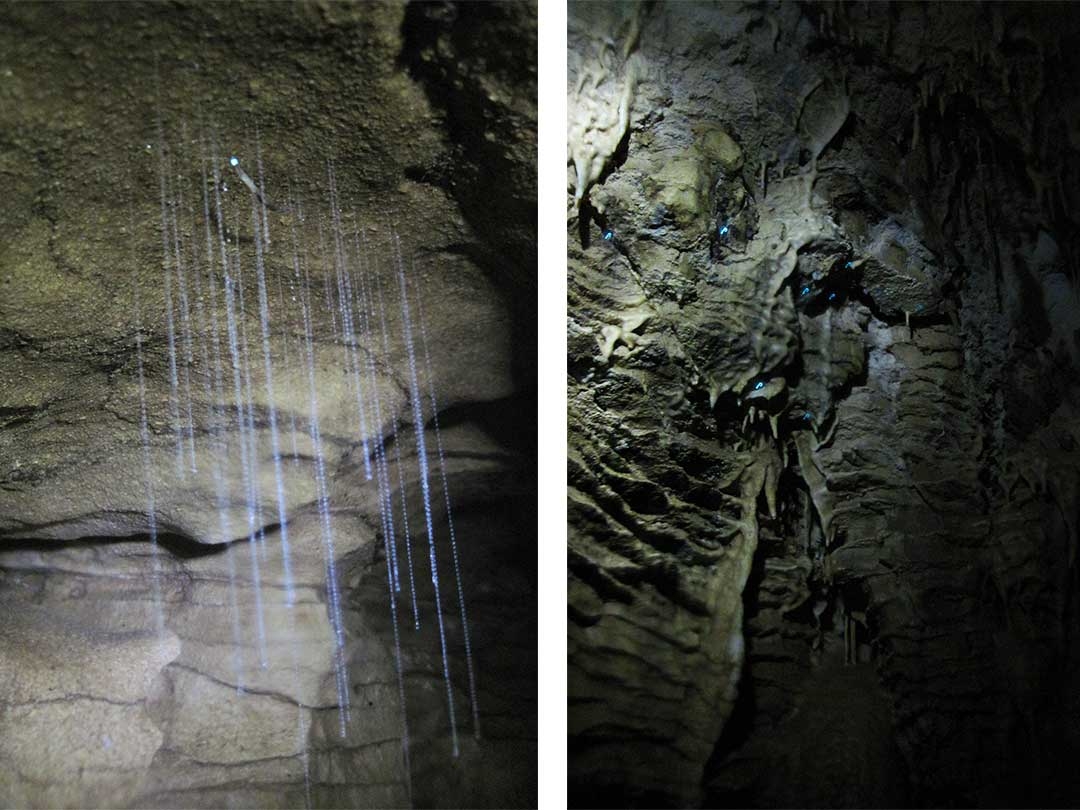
823,407
160,648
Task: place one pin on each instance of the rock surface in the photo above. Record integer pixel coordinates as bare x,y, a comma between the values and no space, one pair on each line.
824,407
169,640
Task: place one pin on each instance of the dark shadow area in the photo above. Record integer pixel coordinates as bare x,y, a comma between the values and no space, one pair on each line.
176,545
502,419
497,552
447,47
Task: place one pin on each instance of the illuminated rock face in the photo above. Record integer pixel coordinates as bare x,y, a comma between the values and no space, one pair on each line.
824,410
255,343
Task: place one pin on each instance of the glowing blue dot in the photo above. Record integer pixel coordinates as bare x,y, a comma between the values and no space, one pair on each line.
234,161
849,265
919,308
807,416
805,291
724,230
609,235
832,296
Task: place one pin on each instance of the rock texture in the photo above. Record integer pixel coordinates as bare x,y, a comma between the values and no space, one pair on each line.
160,648
823,406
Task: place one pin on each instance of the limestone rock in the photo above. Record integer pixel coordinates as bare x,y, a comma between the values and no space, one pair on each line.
854,402
263,385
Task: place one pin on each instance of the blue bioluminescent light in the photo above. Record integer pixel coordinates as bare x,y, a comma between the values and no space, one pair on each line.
234,161
807,416
724,230
759,385
849,265
832,296
804,291
919,308
609,235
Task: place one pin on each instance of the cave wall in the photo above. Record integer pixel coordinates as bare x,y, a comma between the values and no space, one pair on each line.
823,390
159,648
